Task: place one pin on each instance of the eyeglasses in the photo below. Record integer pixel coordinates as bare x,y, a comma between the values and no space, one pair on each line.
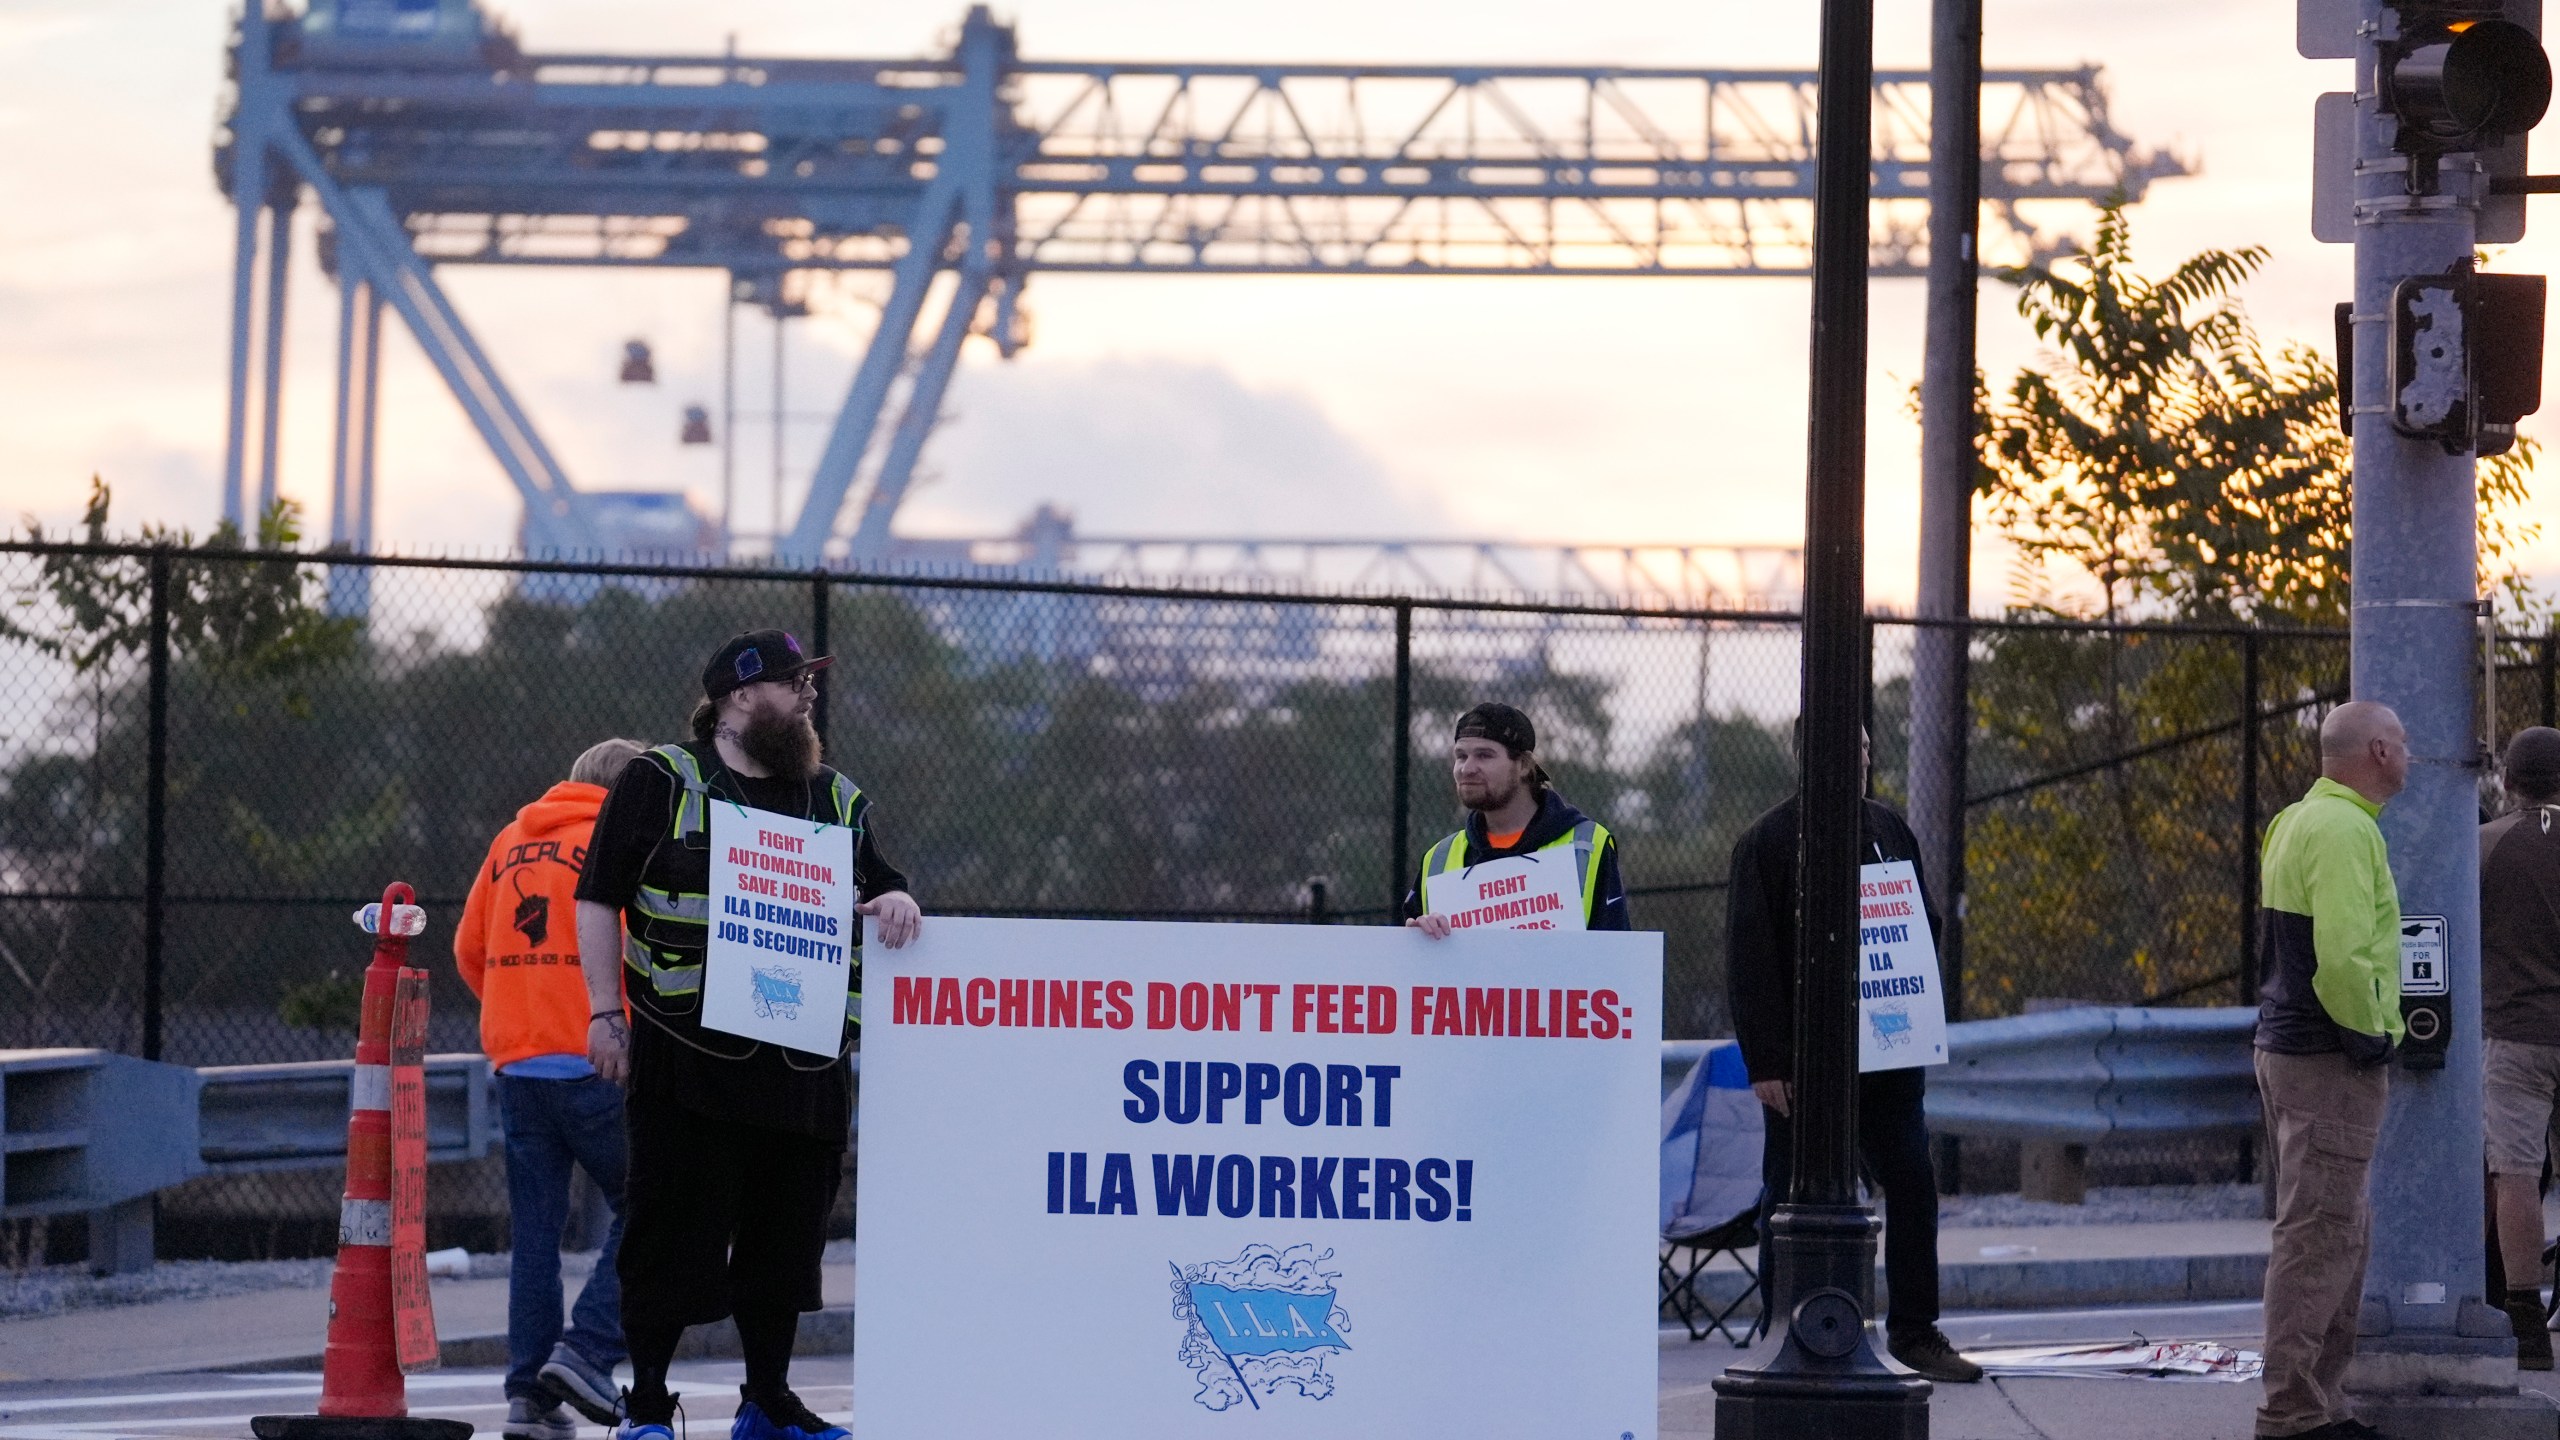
806,682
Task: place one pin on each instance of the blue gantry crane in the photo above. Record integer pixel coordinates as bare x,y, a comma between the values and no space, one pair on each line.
428,136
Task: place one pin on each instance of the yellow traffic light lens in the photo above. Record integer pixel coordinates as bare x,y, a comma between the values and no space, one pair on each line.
2489,80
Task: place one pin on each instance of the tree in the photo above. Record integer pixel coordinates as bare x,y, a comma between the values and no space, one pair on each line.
263,618
72,806
2164,454
2159,461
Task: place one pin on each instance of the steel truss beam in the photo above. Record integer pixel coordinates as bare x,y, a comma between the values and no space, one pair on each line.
990,167
1652,576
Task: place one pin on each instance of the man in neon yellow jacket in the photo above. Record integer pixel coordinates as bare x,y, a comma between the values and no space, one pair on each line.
2328,1017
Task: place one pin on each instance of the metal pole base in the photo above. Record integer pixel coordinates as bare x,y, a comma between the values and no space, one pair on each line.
2412,1385
2473,1417
1826,1379
1754,1407
330,1427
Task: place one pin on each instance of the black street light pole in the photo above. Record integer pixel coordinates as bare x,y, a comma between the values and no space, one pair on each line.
1825,1379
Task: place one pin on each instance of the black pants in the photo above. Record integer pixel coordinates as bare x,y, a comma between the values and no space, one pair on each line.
1893,1141
720,1217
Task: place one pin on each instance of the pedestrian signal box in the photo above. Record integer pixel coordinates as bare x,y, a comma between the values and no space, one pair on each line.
2465,359
2426,1004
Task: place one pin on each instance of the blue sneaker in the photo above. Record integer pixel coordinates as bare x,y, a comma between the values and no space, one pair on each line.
780,1416
630,1429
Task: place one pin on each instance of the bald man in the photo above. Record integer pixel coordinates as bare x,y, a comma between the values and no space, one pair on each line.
2328,1016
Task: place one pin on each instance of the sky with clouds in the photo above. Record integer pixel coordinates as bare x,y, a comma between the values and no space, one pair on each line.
1586,409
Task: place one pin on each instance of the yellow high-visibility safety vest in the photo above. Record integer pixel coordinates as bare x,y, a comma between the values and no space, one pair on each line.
677,921
1589,839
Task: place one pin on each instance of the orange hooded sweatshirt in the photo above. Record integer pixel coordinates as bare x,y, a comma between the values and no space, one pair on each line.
517,945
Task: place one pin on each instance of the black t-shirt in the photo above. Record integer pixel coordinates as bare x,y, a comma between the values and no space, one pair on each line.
768,1086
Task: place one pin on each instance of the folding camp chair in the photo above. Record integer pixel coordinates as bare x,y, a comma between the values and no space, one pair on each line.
1685,1259
1711,1195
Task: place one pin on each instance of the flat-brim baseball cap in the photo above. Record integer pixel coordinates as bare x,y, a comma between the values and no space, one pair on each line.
758,655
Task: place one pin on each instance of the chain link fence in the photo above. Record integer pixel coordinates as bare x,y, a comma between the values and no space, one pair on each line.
208,760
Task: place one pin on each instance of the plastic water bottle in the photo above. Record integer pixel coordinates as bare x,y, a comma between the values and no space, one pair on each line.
405,920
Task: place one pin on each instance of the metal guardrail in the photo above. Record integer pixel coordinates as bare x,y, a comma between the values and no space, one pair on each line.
2065,1075
2072,1076
2080,1075
94,1131
89,1129
294,1116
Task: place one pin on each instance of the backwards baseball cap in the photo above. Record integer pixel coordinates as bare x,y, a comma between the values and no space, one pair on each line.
754,656
1500,724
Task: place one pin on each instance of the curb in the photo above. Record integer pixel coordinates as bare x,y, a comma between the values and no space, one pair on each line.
2065,1284
822,1332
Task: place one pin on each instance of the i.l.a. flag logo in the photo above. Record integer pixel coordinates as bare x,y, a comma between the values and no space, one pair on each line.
1258,1323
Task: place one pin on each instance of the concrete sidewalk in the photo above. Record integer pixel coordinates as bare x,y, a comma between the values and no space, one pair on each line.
286,1330
2037,1266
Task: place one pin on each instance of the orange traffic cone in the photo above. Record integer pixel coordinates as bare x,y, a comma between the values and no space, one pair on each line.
362,1396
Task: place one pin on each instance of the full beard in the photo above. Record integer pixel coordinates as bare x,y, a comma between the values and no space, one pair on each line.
786,745
1489,799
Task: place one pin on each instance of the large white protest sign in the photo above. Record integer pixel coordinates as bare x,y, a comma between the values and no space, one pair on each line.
1125,1180
1537,891
778,963
1902,1014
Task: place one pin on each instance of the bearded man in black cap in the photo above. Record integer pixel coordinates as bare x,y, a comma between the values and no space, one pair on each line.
736,1144
1512,809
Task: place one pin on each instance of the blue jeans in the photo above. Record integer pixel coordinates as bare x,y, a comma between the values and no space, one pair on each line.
550,1125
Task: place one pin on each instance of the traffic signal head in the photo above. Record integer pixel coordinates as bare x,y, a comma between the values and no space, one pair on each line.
2459,80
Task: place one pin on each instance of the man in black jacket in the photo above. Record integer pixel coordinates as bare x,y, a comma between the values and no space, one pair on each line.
1893,1135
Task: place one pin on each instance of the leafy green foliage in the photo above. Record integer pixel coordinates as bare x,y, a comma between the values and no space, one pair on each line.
2164,455
2161,461
264,619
